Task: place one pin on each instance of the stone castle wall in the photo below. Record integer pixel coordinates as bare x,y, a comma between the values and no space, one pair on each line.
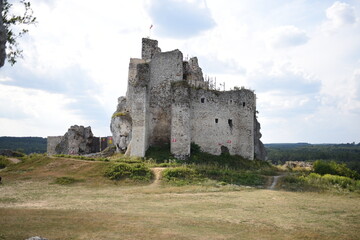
52,142
165,68
223,119
138,104
168,102
180,121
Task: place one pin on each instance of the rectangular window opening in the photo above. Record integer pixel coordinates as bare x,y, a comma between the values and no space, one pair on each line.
202,100
243,104
216,120
230,123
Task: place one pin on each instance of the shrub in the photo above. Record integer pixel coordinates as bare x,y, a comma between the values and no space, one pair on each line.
159,153
181,176
230,176
119,114
36,159
126,159
120,171
179,173
194,148
65,180
333,168
225,160
343,182
295,183
329,180
199,173
4,162
315,181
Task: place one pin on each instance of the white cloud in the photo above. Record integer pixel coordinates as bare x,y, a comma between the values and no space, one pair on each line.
179,18
340,14
76,59
27,112
287,36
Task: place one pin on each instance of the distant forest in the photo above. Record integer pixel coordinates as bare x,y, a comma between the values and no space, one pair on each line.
24,144
343,153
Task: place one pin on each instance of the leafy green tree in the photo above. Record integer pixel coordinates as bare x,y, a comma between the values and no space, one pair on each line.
333,168
14,27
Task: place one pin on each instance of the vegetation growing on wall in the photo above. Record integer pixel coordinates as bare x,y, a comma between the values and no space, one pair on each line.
119,114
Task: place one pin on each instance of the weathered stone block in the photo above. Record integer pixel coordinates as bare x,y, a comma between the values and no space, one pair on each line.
77,140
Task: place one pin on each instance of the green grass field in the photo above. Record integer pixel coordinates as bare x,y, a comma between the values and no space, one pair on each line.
93,207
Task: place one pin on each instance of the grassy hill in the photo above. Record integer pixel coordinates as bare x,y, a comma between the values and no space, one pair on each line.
33,202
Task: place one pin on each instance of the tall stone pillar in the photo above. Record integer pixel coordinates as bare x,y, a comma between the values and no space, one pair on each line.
180,121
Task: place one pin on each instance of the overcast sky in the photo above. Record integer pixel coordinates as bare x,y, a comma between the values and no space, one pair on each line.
302,58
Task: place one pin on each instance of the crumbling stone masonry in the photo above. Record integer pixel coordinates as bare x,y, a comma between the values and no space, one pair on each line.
78,140
169,102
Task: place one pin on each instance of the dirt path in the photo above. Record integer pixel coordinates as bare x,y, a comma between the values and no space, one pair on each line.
157,172
274,182
14,160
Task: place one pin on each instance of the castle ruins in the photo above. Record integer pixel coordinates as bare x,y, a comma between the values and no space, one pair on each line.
78,140
168,102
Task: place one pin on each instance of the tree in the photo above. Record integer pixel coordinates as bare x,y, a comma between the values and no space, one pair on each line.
9,47
2,37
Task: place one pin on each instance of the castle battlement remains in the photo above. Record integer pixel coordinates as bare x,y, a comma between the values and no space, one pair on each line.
169,102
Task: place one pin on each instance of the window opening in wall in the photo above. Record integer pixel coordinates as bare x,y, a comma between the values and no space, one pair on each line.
202,100
243,104
230,123
224,150
231,101
216,120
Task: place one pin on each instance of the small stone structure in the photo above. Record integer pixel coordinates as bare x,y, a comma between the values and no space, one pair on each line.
78,140
168,101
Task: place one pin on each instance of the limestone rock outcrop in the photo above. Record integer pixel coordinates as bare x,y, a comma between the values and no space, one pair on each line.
260,151
121,126
77,140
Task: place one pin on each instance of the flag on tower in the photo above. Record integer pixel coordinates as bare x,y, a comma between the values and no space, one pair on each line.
151,26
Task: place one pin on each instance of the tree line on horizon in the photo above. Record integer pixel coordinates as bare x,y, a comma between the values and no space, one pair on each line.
348,153
25,145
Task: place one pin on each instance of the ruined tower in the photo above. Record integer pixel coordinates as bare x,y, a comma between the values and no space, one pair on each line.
169,102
